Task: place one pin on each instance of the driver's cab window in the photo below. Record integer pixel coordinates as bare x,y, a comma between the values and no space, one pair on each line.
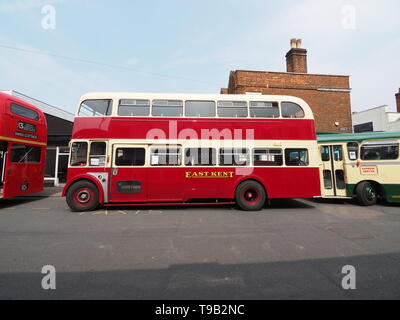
296,157
79,152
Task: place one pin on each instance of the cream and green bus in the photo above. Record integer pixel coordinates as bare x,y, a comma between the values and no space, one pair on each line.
365,166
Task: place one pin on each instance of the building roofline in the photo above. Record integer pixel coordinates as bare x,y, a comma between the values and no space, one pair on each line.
299,73
45,107
382,106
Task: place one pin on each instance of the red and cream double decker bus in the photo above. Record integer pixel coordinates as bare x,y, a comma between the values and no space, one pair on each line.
137,148
23,138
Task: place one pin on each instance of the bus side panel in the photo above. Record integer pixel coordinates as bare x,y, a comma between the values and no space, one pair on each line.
138,128
392,192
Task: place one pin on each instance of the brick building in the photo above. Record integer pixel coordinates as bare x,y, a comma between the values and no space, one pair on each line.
327,95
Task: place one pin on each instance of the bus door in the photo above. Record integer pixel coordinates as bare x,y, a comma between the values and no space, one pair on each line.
3,158
333,171
128,173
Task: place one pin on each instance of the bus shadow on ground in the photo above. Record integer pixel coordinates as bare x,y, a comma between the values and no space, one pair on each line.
351,202
274,204
14,202
377,278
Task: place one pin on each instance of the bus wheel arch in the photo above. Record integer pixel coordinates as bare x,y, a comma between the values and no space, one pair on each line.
83,195
368,192
251,195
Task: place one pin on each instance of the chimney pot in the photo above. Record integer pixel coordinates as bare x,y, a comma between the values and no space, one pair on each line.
296,58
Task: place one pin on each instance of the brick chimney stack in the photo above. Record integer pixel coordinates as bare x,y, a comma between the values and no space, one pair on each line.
296,58
398,100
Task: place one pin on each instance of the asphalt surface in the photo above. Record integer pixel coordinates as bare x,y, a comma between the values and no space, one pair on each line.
294,249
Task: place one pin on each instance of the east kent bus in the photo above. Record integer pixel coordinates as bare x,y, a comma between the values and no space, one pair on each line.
158,149
365,166
23,139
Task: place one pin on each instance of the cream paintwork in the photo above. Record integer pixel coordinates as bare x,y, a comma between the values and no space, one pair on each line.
116,96
388,171
311,145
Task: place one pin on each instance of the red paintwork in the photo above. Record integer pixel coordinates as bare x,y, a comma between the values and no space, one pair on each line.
17,174
171,185
168,185
138,128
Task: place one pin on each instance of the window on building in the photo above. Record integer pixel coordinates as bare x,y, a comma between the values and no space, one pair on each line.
200,157
97,154
130,157
292,110
95,108
167,108
234,157
200,109
165,156
267,157
134,108
232,109
24,112
388,151
259,109
352,149
296,157
21,153
79,154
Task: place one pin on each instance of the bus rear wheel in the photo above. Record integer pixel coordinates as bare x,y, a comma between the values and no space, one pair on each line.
83,196
366,194
250,196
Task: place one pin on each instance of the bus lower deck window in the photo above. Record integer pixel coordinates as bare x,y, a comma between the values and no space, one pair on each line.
380,152
200,157
25,154
165,156
234,157
267,157
296,157
130,156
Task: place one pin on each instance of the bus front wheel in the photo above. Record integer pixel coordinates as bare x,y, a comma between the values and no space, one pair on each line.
367,194
250,196
83,196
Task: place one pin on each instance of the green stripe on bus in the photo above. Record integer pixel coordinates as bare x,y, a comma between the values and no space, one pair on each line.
392,192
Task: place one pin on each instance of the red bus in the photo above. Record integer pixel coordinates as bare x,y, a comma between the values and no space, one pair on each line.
137,148
23,139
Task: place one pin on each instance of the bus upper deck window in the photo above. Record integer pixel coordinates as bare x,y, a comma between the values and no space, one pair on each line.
352,149
24,112
200,109
79,154
134,108
259,109
292,110
167,108
95,108
232,109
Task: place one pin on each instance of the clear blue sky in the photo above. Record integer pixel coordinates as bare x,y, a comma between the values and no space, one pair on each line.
190,46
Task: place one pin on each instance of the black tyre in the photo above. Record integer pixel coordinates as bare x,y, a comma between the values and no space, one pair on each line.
367,194
83,196
250,196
